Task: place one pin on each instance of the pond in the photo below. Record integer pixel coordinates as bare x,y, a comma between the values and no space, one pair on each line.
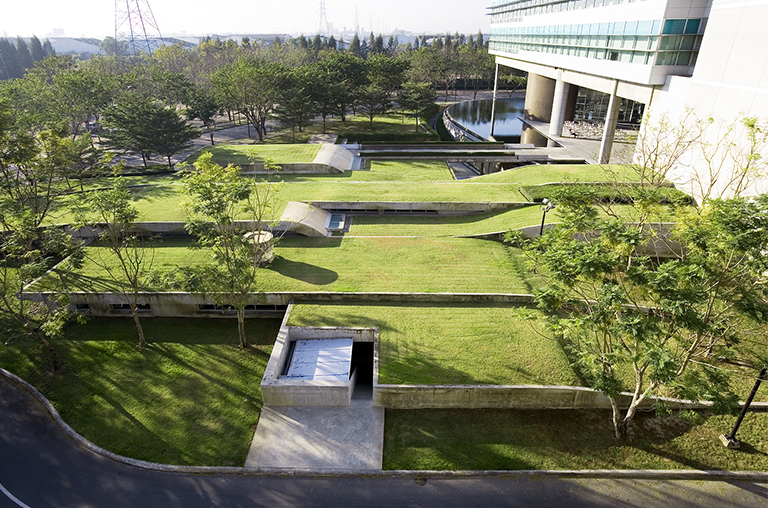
476,116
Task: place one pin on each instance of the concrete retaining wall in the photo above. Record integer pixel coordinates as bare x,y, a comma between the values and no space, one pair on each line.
181,304
440,207
290,168
500,397
458,131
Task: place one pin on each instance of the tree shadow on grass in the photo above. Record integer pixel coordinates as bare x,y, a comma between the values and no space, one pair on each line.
311,274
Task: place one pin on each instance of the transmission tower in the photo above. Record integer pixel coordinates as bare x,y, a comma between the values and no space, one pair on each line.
135,23
323,28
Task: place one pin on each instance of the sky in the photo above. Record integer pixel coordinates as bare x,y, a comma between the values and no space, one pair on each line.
96,18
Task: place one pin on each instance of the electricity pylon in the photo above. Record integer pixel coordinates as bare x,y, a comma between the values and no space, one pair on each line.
135,23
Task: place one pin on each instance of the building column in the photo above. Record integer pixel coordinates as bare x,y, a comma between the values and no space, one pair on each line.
611,119
558,106
493,104
538,98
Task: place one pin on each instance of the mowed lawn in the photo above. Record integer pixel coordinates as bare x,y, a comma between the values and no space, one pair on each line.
191,397
450,343
344,264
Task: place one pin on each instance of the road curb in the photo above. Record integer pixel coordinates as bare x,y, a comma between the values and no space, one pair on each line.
618,474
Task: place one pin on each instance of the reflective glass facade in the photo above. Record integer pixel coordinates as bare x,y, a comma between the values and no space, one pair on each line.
647,42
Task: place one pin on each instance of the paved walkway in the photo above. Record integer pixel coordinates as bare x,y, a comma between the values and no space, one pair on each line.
323,438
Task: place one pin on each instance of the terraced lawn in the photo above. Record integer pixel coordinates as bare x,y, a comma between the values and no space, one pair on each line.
350,264
224,154
451,344
447,225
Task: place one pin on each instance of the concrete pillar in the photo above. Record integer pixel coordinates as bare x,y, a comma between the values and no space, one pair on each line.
570,104
559,103
611,119
538,98
493,104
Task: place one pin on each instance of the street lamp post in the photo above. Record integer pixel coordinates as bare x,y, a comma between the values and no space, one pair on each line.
729,440
547,206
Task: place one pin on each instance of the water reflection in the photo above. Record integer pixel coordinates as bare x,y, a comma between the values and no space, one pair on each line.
476,116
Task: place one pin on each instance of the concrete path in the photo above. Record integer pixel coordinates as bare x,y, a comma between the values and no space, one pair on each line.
294,437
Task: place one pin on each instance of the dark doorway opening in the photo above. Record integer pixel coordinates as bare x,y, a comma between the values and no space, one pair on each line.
362,365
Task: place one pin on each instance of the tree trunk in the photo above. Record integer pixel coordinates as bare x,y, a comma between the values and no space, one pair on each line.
144,158
619,426
212,143
139,329
55,361
170,164
241,327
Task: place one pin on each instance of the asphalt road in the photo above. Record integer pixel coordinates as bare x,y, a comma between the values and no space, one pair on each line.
40,466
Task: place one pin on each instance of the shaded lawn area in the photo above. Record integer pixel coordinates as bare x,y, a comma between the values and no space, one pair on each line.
348,264
451,343
224,154
504,439
192,397
447,225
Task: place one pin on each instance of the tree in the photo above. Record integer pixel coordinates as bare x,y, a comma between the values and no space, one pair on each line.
249,86
418,99
139,125
346,74
112,210
297,104
36,49
9,57
354,47
29,190
374,100
652,308
172,133
218,197
25,57
203,106
113,47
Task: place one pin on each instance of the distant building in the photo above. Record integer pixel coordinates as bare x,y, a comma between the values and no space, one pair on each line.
658,56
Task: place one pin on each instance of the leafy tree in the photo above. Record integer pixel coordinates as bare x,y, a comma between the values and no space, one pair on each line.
418,99
28,192
202,105
348,74
172,133
114,47
374,100
297,104
139,125
112,210
218,198
636,322
249,86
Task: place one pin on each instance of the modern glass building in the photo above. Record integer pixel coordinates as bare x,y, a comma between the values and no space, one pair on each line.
657,56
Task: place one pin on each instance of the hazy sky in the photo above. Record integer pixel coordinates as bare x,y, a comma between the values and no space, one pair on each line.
96,18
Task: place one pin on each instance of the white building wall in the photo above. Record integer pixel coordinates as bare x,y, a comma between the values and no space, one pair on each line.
730,82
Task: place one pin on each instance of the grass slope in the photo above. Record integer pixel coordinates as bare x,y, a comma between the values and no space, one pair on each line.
497,439
192,397
451,344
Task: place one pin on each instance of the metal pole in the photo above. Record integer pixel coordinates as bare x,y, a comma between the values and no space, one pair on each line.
730,440
544,216
493,104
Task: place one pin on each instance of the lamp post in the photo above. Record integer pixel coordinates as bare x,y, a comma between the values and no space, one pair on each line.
729,440
547,206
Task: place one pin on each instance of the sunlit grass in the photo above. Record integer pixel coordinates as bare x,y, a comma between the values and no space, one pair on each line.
451,344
